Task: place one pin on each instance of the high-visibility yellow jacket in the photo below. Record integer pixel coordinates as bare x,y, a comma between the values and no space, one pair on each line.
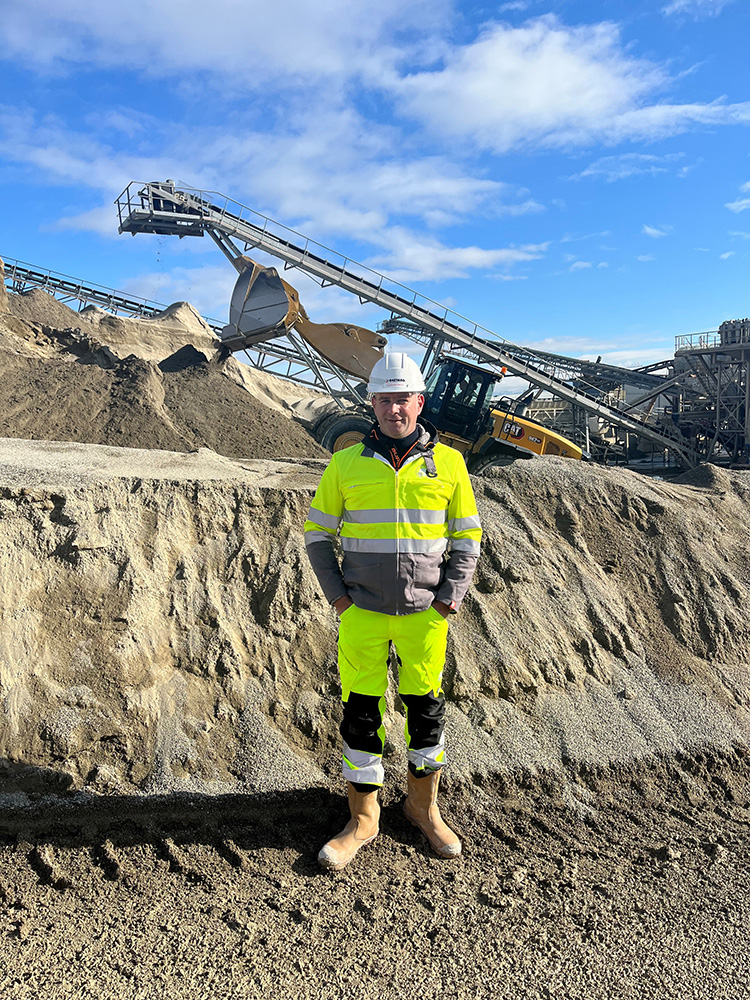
408,537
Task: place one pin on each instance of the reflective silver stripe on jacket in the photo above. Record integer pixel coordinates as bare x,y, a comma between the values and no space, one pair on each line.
395,544
428,759
465,545
462,523
316,536
359,766
395,515
324,520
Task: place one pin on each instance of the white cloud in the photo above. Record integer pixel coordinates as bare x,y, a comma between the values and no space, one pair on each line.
248,44
695,8
412,257
356,189
646,258
739,205
542,83
579,238
634,357
656,234
580,265
102,220
603,264
65,156
618,168
288,174
633,352
546,84
740,234
727,255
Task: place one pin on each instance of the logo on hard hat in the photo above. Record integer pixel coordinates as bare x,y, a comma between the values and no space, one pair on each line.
396,370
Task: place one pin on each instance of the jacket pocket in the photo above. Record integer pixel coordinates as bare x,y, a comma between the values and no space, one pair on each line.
434,613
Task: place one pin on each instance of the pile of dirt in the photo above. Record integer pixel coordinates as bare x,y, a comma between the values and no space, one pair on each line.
151,338
162,629
138,383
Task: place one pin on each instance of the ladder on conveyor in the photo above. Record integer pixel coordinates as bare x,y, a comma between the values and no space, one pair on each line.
161,207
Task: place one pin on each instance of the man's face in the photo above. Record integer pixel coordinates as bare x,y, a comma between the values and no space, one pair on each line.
397,412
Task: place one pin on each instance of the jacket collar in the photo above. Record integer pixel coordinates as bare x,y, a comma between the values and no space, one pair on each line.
376,444
428,435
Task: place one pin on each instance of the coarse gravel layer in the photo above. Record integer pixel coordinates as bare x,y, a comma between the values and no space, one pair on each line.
192,898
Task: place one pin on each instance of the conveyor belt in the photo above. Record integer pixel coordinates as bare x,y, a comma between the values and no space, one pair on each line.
162,208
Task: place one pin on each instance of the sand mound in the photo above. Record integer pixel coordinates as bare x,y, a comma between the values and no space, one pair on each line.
154,338
300,402
37,306
92,377
165,629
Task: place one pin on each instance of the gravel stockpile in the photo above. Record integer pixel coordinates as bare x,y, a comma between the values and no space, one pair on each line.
100,379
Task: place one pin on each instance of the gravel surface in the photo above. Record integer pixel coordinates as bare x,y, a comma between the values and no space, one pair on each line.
643,893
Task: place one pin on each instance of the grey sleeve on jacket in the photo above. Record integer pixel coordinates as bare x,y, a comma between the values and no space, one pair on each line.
326,568
459,570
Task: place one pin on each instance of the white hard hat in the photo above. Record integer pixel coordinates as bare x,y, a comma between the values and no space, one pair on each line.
396,372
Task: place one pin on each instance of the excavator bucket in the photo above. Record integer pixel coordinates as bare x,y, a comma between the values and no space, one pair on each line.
352,348
264,306
260,308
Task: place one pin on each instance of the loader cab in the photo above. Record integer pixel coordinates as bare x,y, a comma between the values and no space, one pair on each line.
457,397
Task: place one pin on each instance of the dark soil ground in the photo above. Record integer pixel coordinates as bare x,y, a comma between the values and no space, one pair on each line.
638,887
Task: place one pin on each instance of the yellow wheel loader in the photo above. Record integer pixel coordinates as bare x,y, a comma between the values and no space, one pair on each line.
458,395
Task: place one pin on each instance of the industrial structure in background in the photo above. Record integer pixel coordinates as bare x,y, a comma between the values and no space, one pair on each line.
687,409
459,396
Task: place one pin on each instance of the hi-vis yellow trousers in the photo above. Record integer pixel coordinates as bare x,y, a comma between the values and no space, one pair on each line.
420,641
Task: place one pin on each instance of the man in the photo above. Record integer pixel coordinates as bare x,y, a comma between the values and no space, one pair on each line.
410,539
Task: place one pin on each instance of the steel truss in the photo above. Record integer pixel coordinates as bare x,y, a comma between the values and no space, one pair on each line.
21,277
720,363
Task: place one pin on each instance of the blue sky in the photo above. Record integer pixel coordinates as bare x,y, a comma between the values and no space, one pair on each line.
572,175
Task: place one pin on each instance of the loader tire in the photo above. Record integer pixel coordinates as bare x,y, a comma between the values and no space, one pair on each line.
337,433
487,463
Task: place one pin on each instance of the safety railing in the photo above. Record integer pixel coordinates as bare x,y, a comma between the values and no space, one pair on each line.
697,341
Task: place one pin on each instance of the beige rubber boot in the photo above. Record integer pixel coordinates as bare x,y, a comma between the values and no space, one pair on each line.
421,809
361,829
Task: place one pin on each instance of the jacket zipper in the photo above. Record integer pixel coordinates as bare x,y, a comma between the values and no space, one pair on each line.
398,540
